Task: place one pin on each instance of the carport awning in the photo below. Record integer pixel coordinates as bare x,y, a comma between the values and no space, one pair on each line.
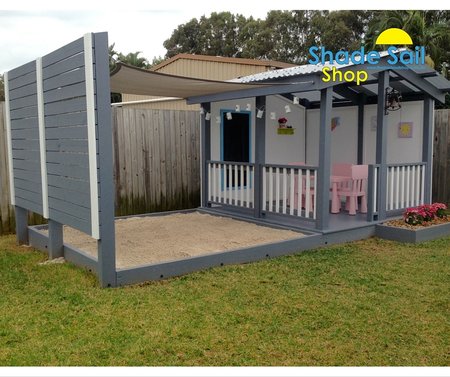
132,80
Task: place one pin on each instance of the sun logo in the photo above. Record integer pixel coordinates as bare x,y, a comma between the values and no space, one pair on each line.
394,37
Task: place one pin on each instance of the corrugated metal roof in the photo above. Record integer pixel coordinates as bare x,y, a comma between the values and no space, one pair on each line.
296,71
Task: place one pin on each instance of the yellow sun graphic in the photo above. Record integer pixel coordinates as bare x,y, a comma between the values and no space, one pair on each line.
394,36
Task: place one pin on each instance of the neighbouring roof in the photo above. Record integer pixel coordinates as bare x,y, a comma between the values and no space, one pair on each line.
273,64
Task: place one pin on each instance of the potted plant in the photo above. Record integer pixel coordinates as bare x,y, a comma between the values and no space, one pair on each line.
282,122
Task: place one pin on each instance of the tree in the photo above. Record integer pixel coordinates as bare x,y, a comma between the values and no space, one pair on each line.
2,89
133,58
426,28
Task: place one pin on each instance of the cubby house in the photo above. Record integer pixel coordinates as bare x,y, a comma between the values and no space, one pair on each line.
348,156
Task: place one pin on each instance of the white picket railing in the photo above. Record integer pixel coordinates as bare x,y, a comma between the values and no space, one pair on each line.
405,185
231,183
289,190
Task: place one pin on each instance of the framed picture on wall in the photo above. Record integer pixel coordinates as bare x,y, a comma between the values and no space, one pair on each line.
405,129
335,122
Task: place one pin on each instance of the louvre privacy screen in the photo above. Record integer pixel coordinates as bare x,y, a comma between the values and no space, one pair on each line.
58,120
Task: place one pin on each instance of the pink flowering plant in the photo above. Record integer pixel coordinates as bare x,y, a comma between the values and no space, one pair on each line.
427,212
282,120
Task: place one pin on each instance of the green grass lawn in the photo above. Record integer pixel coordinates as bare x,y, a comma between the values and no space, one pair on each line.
371,302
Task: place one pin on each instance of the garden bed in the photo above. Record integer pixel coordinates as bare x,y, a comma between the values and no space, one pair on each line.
398,230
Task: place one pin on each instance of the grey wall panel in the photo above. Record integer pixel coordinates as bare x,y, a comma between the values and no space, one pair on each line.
68,78
24,123
27,204
65,92
73,209
35,197
76,132
67,145
28,175
23,91
32,155
20,103
79,159
68,106
77,172
21,81
73,221
68,183
27,112
26,184
62,53
21,71
27,133
70,196
71,63
66,120
31,165
26,144
29,78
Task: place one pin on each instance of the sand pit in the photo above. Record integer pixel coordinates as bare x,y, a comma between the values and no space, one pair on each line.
145,240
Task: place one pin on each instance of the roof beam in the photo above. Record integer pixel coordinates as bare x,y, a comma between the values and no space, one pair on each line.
308,83
346,92
419,82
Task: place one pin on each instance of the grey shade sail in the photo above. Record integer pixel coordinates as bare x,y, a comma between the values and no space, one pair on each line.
132,80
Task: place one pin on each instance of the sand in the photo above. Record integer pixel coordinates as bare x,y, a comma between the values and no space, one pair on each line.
145,240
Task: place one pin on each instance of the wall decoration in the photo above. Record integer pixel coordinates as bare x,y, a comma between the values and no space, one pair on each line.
285,131
405,129
373,123
335,122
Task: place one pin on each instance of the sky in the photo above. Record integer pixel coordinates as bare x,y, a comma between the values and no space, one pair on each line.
26,35
30,28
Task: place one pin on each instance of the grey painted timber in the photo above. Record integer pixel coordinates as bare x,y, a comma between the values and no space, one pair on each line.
106,243
412,235
324,169
260,156
205,154
381,143
427,145
251,254
55,240
21,225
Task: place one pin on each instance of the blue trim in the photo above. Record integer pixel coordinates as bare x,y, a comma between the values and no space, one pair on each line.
222,112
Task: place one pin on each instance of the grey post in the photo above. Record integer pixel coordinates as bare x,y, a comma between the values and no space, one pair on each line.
21,225
205,152
427,145
55,240
370,193
381,147
260,152
323,171
106,243
361,103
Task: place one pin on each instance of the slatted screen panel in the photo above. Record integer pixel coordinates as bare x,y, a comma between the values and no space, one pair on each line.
53,122
66,135
25,137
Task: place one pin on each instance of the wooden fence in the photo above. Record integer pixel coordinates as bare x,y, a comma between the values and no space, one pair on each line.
157,162
441,156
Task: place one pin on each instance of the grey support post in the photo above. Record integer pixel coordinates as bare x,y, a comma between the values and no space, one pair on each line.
55,240
260,153
381,147
106,244
21,225
323,172
361,103
205,152
427,146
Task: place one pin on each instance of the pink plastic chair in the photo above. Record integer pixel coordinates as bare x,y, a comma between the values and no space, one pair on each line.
356,188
